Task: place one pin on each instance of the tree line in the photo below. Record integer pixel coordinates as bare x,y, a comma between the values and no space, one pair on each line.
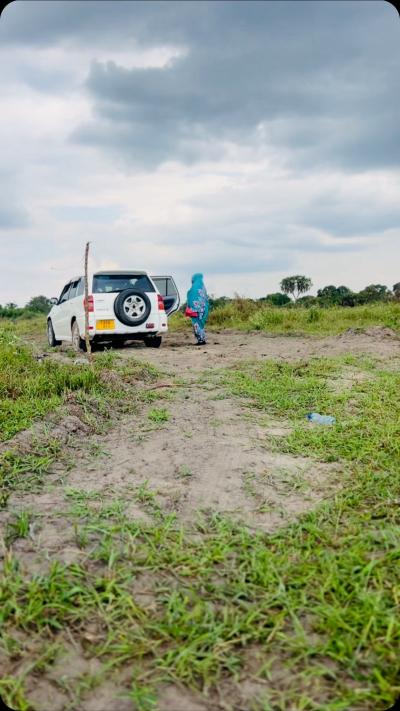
294,291
335,295
36,305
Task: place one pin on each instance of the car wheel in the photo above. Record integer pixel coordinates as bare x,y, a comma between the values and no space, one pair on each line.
50,335
153,341
132,307
78,343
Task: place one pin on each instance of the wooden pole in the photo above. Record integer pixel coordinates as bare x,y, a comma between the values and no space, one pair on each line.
87,339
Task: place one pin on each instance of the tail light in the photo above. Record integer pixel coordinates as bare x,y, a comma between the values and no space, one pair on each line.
90,303
161,306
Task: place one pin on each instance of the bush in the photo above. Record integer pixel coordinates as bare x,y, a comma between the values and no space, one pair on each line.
314,315
261,320
39,304
16,313
223,316
307,301
244,307
217,303
276,299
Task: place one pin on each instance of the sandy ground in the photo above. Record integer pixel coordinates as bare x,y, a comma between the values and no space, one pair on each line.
211,455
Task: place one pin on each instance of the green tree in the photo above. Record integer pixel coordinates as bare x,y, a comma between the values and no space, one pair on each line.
335,295
296,285
396,290
345,296
328,295
373,292
41,304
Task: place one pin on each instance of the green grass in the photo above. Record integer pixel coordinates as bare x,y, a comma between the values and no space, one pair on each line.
24,472
30,389
305,597
159,414
184,472
367,429
18,527
318,599
245,315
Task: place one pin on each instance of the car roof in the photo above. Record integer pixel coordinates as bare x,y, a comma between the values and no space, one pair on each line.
120,272
75,278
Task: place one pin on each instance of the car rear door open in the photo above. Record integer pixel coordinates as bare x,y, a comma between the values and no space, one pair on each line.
168,290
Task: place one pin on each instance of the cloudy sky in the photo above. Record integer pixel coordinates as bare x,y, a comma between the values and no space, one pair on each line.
248,140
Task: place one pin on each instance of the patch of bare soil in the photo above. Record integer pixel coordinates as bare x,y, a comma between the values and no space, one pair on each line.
179,353
208,456
179,699
46,697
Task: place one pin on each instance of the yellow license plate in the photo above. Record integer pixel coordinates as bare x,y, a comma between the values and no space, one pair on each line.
105,325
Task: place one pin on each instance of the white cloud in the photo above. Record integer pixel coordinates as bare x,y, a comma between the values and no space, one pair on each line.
246,207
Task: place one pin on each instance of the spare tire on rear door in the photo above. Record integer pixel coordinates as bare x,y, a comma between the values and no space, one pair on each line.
132,307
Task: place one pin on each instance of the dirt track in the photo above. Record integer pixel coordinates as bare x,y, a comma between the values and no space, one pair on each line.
211,454
225,348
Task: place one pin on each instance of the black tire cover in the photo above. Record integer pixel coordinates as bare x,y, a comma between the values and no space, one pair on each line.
119,310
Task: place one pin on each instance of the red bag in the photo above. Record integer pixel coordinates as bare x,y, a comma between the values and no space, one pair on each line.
190,313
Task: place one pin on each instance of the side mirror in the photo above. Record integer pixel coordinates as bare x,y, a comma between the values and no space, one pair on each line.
54,301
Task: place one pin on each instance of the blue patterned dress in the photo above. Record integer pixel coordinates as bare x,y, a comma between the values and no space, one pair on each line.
197,299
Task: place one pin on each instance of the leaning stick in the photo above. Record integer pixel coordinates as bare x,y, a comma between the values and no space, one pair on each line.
87,339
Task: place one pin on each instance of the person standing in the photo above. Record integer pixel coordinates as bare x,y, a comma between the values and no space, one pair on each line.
197,308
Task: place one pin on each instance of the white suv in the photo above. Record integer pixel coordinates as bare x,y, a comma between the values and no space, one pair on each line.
123,306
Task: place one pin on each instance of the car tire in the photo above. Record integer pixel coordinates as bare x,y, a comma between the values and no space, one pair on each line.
152,341
50,335
78,344
132,307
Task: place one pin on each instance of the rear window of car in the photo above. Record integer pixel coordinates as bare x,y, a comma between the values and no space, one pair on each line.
106,283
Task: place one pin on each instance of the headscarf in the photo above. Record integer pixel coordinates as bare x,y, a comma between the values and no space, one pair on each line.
197,298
